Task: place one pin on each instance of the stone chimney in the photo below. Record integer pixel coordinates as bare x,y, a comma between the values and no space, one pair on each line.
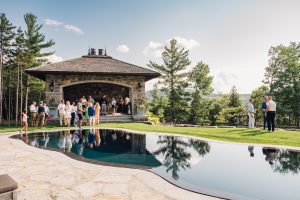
100,52
93,51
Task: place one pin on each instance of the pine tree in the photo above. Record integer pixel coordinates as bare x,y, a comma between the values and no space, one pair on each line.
19,58
234,98
34,44
6,37
233,113
175,61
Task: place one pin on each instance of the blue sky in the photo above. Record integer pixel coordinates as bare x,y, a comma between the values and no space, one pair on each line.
232,36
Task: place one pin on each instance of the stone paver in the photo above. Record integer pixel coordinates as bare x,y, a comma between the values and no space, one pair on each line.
43,175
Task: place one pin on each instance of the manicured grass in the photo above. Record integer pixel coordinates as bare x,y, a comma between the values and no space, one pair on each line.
244,135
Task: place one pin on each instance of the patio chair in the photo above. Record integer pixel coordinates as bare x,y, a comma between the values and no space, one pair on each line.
8,188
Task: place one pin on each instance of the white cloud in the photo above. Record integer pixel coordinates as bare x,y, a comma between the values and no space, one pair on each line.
156,48
224,80
52,22
185,43
153,48
123,48
54,58
68,27
73,28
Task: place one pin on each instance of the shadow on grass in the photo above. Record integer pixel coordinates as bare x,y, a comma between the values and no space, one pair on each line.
249,132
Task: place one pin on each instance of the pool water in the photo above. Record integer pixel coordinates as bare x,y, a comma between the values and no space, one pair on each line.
229,171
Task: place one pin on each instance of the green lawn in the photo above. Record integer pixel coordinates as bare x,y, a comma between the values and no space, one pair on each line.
279,137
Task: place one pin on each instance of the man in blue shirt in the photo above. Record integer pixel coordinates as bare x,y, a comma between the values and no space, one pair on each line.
264,107
91,113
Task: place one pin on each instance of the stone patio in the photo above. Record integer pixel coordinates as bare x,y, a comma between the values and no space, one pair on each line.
43,175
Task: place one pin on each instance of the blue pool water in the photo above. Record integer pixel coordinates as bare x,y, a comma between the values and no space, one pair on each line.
224,170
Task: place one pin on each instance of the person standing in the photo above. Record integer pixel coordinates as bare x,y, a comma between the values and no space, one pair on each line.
264,107
127,105
79,112
83,101
271,112
97,113
86,113
33,113
24,123
91,113
61,111
41,114
46,113
121,106
91,100
73,113
251,112
103,103
68,111
113,106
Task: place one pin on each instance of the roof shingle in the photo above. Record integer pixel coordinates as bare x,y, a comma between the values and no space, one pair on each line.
92,65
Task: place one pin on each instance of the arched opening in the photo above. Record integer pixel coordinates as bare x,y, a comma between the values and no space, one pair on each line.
97,90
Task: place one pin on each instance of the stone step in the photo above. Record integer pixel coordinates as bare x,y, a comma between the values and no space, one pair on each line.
107,118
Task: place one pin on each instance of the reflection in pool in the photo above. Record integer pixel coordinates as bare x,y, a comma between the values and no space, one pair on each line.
218,169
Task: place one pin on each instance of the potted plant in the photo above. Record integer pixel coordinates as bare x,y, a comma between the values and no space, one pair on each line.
141,109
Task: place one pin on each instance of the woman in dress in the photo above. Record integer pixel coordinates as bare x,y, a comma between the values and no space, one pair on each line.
24,122
97,113
68,111
61,111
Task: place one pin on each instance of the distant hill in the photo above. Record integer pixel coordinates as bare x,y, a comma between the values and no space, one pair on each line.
244,97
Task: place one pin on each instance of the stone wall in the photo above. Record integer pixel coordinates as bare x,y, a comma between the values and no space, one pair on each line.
136,94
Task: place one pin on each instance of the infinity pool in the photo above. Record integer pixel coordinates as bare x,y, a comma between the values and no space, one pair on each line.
223,170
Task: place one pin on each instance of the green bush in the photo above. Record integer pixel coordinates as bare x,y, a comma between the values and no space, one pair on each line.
153,118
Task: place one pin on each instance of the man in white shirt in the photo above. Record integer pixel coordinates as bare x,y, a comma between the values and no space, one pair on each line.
251,112
33,113
271,111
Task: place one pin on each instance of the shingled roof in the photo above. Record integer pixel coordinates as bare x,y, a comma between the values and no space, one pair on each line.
105,65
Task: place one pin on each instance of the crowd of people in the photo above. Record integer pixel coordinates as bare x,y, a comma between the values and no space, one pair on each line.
72,114
269,111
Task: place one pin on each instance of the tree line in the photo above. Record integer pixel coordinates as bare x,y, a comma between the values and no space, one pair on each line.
20,49
180,105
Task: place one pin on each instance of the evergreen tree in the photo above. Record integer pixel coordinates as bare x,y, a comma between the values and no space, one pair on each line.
234,98
18,59
34,44
201,81
6,37
233,113
175,61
